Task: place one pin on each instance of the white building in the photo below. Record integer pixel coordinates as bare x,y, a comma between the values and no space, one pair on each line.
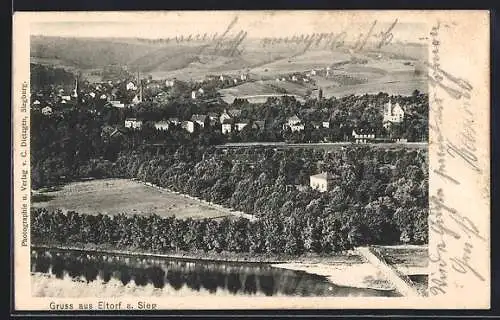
92,94
294,78
201,91
235,81
243,77
221,78
169,83
313,72
66,98
321,181
226,128
117,104
362,138
294,123
188,126
161,125
131,86
392,114
326,124
193,94
224,116
47,111
36,103
199,119
133,123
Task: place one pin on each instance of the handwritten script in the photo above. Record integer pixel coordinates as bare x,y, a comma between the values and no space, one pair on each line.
231,40
448,224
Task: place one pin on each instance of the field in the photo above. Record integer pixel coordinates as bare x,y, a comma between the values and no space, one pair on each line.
114,196
258,91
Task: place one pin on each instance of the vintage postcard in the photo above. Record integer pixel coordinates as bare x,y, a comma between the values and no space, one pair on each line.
251,160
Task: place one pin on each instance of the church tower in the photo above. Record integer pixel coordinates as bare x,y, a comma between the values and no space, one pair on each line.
139,84
75,90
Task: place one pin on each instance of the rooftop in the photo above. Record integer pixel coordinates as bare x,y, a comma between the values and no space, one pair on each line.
323,175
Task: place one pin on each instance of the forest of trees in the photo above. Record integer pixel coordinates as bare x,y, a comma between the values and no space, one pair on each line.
380,196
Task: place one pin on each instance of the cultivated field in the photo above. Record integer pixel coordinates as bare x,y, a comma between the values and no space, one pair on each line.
114,196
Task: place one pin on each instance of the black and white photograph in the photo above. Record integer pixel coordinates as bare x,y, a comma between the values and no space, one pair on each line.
231,154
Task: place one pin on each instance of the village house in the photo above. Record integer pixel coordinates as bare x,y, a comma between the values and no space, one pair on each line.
110,132
92,94
234,113
199,119
47,111
117,104
188,126
313,72
235,81
392,114
193,95
326,124
161,125
362,137
133,123
321,181
169,83
294,78
243,77
131,86
201,91
227,126
294,123
230,114
36,103
66,98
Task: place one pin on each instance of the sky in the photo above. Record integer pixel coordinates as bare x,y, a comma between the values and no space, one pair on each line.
257,24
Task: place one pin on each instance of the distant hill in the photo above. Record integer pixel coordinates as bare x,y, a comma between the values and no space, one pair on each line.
185,60
88,53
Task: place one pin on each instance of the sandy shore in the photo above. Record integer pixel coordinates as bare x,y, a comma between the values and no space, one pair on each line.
359,275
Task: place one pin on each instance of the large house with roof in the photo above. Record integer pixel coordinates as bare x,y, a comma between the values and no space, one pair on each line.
133,123
393,113
322,181
199,119
294,123
161,125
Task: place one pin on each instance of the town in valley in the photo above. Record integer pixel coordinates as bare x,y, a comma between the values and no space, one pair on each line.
193,168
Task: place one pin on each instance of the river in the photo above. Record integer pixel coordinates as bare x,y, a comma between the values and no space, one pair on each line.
71,273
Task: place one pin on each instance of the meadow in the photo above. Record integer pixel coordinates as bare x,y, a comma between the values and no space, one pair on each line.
115,196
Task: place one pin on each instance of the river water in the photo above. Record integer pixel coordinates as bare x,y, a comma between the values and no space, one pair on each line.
92,273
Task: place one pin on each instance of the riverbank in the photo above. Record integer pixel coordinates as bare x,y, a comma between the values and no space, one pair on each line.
347,269
242,257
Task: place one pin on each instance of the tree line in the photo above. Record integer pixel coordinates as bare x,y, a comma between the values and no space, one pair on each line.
164,235
378,195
